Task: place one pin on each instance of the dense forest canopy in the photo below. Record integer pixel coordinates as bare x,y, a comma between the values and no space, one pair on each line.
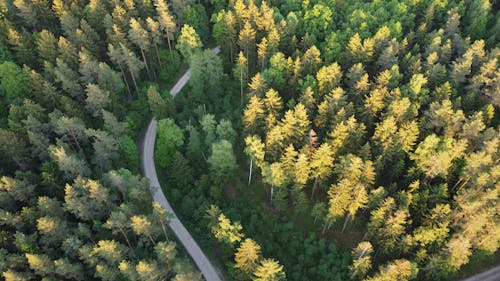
328,140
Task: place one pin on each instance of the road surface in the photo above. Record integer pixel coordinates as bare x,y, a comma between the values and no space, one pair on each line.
148,166
489,275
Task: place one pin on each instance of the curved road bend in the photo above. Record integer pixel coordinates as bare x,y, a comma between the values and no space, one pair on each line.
149,169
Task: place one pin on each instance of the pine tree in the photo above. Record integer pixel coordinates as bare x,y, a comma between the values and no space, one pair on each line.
46,46
269,270
140,37
167,22
255,151
156,36
241,72
188,42
97,99
247,256
246,41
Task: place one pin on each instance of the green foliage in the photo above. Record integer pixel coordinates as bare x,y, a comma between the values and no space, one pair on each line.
170,136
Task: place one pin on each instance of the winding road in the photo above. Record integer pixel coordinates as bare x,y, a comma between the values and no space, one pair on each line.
148,166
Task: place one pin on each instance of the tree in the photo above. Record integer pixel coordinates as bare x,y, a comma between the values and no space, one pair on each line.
247,256
255,150
387,227
160,215
157,104
329,78
140,37
65,269
68,79
41,264
115,54
206,80
224,31
400,269
253,114
269,270
142,225
14,84
170,136
52,229
97,99
321,164
311,60
241,71
130,153
362,261
222,161
225,131
106,149
47,46
222,228
148,270
246,41
118,220
273,102
87,199
188,42
166,21
156,36
351,192
133,63
273,175
70,164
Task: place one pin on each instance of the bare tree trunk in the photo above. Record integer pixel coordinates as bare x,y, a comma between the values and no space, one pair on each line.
152,240
145,63
157,55
345,222
164,230
133,80
241,86
125,80
272,191
126,238
250,172
169,45
75,139
327,225
314,186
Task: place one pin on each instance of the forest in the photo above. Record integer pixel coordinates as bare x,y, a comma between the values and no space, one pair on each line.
327,140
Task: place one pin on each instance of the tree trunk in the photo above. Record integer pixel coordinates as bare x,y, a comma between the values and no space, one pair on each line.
125,80
164,230
250,172
272,191
75,139
241,86
157,55
133,80
314,186
345,222
169,46
125,236
152,240
146,63
326,226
